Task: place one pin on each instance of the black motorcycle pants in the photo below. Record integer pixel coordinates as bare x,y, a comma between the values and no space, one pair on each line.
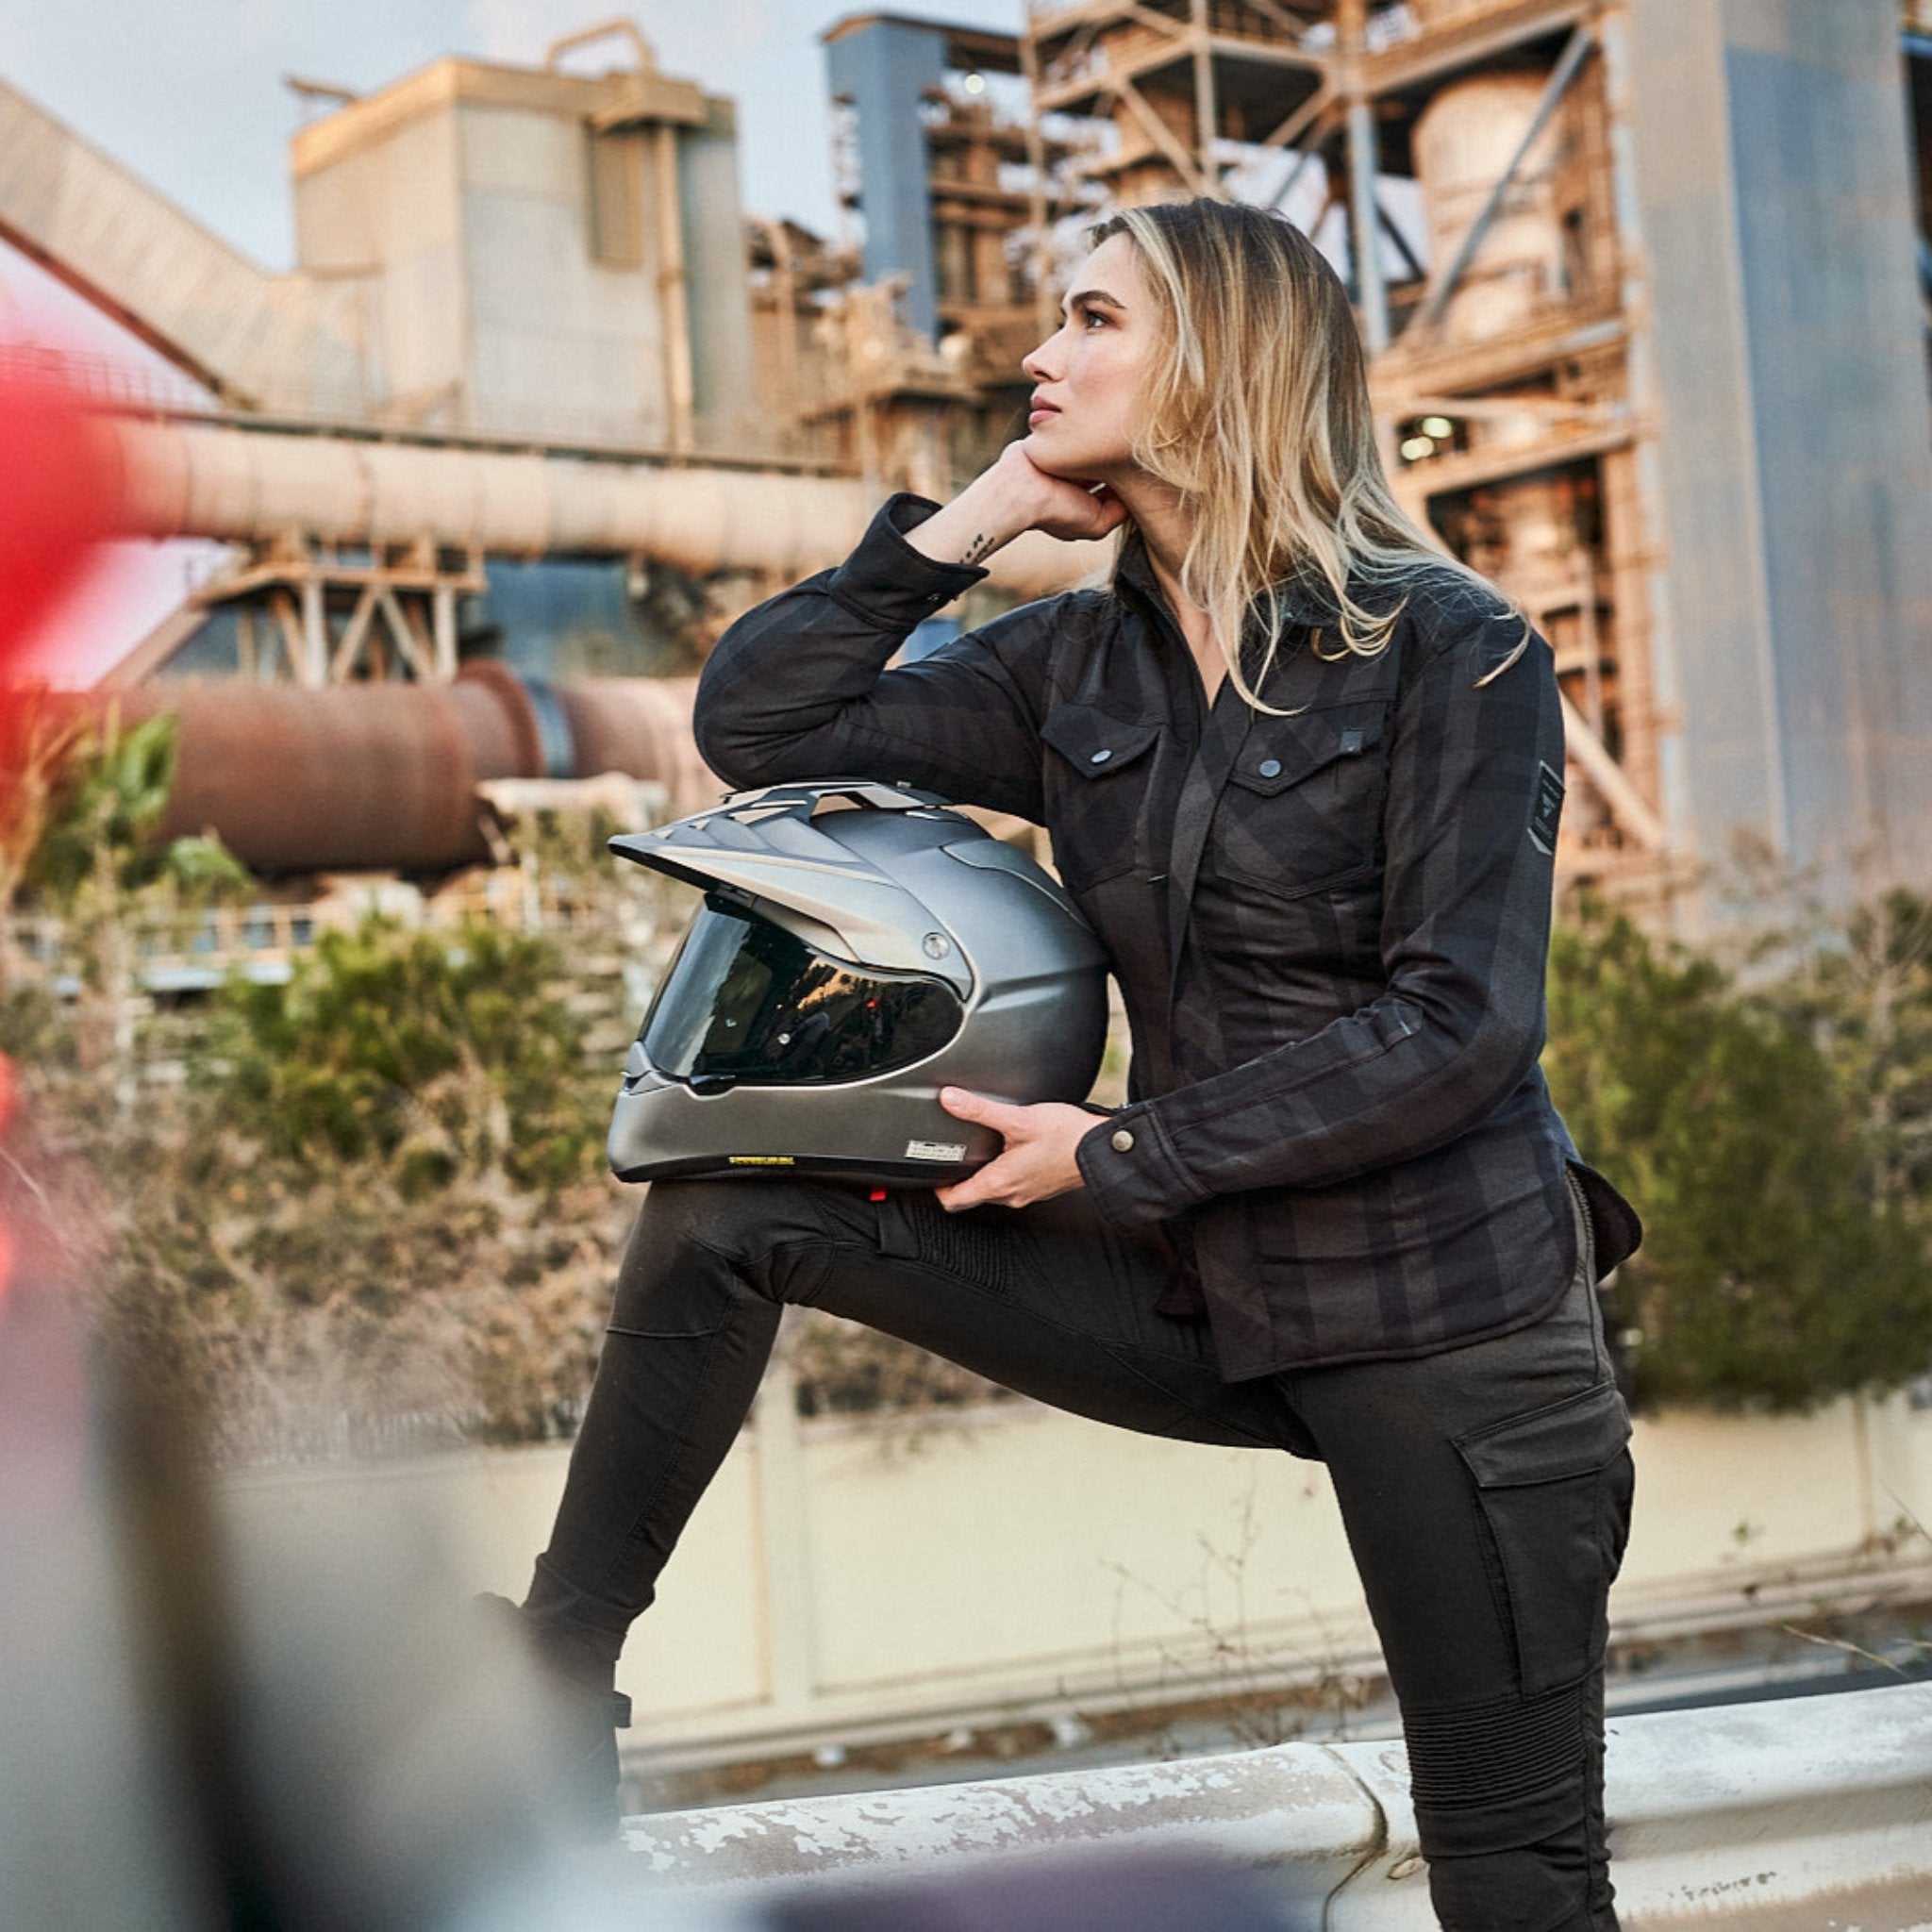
1485,1490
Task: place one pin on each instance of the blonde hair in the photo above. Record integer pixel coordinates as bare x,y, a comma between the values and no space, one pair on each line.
1257,417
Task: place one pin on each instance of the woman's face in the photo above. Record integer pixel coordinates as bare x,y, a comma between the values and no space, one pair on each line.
1089,375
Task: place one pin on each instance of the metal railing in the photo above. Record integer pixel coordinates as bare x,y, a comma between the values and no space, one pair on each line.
263,941
1734,1816
107,380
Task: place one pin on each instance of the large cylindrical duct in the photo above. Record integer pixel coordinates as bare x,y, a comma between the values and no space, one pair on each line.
640,727
249,485
361,777
212,480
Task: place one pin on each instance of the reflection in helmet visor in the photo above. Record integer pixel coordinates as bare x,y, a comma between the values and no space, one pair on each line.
747,1000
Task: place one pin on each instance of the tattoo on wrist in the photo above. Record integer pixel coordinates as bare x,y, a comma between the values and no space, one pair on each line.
979,547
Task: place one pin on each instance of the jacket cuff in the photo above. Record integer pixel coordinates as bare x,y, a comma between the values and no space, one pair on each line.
888,582
1131,1171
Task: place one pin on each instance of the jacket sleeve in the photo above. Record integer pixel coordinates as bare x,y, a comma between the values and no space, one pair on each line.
1469,827
798,687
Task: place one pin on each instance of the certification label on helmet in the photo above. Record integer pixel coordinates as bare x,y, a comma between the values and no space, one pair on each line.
935,1150
760,1160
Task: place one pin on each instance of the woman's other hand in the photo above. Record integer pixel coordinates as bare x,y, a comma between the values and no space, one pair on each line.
1036,1162
1014,494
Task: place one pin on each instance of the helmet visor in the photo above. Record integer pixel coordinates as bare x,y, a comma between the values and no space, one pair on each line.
745,1000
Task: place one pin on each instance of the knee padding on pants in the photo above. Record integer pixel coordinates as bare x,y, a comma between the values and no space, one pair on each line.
1510,1772
974,1247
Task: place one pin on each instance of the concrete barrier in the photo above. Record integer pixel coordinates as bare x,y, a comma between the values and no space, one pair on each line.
844,1584
1782,1813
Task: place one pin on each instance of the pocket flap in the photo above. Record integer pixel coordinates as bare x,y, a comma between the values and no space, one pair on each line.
1095,743
1281,751
1570,1438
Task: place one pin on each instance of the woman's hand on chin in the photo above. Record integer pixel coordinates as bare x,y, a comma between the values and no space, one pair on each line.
1015,495
1073,509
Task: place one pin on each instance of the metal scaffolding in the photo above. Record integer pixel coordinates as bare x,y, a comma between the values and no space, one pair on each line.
1498,346
1631,281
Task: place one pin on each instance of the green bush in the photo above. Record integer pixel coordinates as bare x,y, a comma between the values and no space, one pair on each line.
1779,1268
437,1055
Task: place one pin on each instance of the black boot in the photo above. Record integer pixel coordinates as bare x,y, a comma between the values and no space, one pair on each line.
584,1712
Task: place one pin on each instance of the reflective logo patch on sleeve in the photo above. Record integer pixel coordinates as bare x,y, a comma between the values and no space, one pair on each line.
1546,809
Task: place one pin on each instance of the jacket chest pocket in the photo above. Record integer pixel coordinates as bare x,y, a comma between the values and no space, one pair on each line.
1302,805
1097,791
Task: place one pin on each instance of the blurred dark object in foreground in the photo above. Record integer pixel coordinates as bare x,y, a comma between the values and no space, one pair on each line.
196,1734
89,1834
1092,1894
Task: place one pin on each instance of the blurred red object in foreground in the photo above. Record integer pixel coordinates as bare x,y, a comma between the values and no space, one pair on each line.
59,492
59,495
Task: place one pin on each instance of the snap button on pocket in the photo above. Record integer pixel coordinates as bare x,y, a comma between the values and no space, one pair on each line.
1094,743
1122,1142
1100,835
1288,751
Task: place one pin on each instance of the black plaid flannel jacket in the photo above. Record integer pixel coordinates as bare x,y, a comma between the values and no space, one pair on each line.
1329,927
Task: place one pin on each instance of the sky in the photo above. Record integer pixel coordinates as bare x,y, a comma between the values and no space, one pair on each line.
188,94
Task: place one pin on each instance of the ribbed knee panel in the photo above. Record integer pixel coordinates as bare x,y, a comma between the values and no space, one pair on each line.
1505,1774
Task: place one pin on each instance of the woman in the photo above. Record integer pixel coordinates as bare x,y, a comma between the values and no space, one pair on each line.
1303,776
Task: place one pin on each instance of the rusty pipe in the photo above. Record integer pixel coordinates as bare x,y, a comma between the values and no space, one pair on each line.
385,777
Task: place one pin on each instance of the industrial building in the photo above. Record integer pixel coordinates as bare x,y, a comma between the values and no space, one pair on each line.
1642,284
1649,348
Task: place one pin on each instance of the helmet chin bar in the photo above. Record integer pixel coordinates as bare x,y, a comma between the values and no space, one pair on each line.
664,1128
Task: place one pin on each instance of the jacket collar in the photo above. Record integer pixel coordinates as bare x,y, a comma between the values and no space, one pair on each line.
1304,601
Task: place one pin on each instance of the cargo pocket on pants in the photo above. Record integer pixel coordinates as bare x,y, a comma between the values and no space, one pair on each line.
1554,1490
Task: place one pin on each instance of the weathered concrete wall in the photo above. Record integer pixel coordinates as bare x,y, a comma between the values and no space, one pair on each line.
842,1582
716,297
1794,474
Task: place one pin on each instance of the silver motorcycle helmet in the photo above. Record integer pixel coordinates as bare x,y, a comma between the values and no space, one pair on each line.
859,947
